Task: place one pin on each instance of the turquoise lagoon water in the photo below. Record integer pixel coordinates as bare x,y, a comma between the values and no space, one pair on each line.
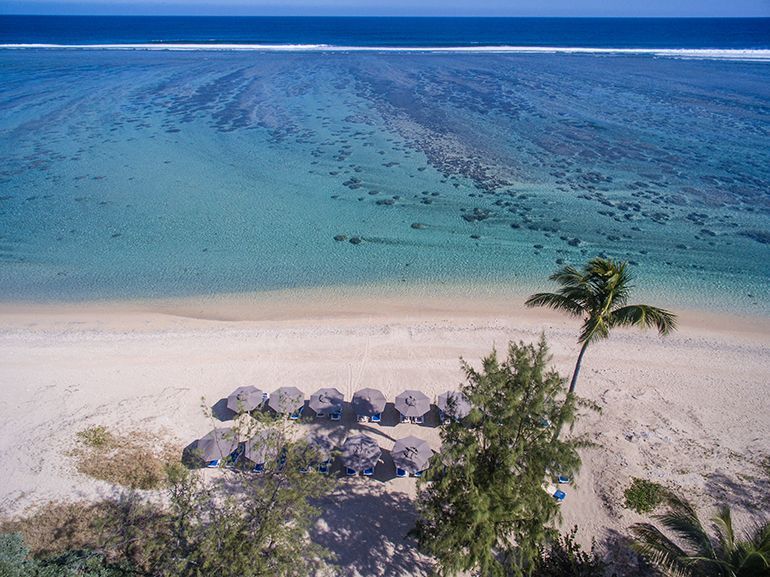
161,174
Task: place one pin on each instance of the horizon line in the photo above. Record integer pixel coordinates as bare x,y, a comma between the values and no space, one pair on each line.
421,16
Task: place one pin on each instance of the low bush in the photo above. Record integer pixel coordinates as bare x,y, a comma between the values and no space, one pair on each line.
644,496
135,460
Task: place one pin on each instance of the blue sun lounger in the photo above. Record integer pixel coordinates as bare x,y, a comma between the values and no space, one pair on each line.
213,464
376,417
401,473
296,414
368,472
350,472
259,468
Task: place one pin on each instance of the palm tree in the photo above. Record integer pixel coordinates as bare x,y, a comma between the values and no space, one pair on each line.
703,556
599,294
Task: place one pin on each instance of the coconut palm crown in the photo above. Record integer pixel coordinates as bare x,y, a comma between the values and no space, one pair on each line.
693,553
599,294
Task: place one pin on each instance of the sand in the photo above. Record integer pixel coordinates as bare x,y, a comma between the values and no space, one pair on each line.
690,410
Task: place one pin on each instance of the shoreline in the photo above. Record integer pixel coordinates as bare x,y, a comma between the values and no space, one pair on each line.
303,306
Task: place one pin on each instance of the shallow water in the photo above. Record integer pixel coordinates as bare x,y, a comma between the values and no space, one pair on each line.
135,174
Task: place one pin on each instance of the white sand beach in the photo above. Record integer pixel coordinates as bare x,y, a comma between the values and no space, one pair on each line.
690,410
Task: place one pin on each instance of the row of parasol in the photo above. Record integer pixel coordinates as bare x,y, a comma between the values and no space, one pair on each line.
358,454
367,404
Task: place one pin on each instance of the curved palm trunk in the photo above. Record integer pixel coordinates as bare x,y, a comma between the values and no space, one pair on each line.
571,390
575,373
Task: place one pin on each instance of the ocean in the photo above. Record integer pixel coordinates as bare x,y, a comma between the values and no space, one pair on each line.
278,153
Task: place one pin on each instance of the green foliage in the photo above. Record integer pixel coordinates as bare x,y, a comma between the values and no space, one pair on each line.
260,528
15,561
644,496
482,506
96,437
563,557
599,294
236,525
692,552
14,556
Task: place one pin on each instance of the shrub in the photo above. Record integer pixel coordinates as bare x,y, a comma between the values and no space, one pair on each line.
644,496
96,437
54,528
563,557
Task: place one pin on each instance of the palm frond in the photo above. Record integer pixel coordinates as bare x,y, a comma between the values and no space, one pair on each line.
683,520
593,329
723,524
568,276
643,316
555,301
661,551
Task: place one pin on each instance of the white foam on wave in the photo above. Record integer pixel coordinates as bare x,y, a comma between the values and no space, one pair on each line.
757,55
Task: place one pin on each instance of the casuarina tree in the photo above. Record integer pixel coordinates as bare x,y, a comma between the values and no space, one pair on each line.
482,505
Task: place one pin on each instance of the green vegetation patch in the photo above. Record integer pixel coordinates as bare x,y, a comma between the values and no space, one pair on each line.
644,496
96,437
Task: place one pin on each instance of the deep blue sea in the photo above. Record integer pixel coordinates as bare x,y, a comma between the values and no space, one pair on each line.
732,33
136,173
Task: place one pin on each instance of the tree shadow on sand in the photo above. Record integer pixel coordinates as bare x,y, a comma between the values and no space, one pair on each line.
746,493
621,558
366,528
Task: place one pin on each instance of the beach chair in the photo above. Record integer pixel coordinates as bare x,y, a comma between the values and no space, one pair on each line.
563,480
368,472
418,420
304,469
543,423
376,417
336,416
350,472
296,414
258,468
323,468
213,464
559,495
401,473
417,474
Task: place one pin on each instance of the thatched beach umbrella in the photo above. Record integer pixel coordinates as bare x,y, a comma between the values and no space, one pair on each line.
262,447
245,399
411,454
454,404
412,403
368,402
328,400
217,444
286,400
360,452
